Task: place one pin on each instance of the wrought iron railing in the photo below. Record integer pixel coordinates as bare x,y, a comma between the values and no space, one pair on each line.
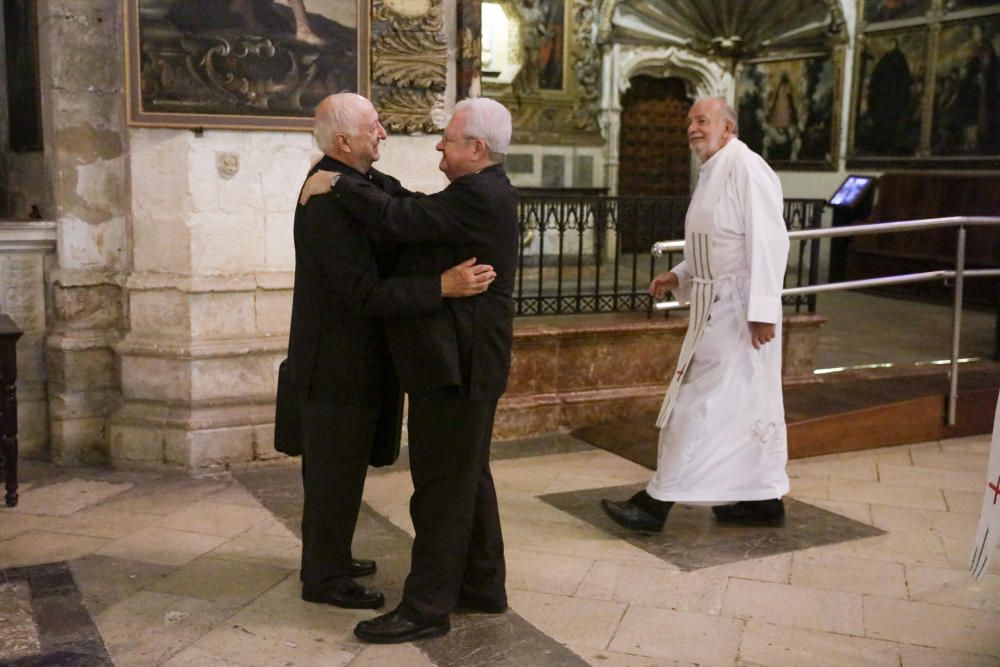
590,253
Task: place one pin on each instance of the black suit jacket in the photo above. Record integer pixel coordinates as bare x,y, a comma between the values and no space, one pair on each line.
467,343
337,346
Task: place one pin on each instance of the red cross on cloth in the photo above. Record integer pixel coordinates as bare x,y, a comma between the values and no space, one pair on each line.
996,490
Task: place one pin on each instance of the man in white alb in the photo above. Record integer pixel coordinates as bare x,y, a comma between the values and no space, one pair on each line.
722,438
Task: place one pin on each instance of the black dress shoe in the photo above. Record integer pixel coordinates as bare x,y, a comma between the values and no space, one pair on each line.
641,512
479,605
394,628
343,592
361,567
752,513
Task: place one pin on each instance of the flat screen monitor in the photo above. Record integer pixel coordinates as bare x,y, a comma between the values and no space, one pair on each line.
851,191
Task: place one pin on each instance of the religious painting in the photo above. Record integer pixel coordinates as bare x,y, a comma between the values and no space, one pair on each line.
967,90
876,11
888,94
255,64
785,110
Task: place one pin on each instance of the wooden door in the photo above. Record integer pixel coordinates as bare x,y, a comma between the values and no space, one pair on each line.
653,152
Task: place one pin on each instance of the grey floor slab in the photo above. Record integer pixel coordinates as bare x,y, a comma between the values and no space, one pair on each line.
692,539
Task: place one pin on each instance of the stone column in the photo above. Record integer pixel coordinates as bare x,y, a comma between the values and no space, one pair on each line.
80,55
209,295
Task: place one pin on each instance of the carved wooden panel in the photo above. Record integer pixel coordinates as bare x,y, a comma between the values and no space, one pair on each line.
654,153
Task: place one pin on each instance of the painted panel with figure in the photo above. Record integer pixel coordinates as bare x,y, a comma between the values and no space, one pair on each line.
888,94
891,10
542,44
967,90
785,110
242,63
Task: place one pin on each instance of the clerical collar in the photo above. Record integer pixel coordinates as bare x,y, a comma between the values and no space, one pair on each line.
343,166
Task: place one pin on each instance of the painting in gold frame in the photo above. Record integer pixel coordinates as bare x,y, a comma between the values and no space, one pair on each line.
245,64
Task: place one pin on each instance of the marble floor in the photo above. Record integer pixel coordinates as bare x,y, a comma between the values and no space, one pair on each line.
103,567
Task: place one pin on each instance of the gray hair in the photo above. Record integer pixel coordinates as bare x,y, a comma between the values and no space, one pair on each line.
728,113
339,113
490,121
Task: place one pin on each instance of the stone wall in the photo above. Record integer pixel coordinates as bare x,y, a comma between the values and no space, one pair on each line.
210,289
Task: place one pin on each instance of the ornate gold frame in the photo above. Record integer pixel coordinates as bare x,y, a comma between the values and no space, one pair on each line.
246,92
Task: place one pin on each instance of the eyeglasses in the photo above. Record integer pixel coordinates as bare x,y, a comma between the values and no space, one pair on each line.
451,141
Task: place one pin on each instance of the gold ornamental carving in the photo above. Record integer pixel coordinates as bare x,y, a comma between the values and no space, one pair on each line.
409,64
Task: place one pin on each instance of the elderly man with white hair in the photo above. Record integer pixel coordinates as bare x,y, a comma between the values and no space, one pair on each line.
453,364
722,424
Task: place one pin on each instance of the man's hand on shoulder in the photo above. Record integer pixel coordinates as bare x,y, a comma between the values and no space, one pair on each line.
466,279
762,333
318,184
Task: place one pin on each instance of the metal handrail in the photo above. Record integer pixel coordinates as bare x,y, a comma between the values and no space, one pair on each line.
959,274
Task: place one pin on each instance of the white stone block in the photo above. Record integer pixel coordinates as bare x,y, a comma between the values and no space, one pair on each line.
159,313
136,443
282,177
280,250
161,244
274,311
204,448
223,243
229,377
241,192
83,245
263,443
155,378
414,161
222,314
100,183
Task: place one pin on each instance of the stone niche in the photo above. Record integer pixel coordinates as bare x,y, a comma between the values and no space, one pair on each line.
574,371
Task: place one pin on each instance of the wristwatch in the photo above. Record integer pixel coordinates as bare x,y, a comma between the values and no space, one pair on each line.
333,180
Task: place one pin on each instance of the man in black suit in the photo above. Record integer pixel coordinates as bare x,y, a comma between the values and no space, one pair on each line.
348,394
454,364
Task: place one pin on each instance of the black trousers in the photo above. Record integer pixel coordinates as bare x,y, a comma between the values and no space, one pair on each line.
337,443
458,546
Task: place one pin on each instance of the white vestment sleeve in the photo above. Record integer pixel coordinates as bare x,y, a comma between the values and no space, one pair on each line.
766,239
683,290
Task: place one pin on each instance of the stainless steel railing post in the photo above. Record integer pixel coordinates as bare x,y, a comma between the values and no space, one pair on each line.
956,325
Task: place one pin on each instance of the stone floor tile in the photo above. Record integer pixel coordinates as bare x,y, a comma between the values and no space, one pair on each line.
215,519
13,524
545,573
194,657
783,645
154,504
100,521
954,588
37,546
284,552
105,581
952,460
917,548
774,569
148,628
571,540
678,635
862,469
302,634
922,656
930,478
935,625
569,620
947,524
606,658
798,606
232,494
66,497
898,455
958,552
220,580
808,488
162,545
817,569
654,587
969,502
273,527
887,494
967,444
18,631
400,655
